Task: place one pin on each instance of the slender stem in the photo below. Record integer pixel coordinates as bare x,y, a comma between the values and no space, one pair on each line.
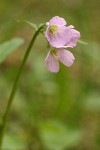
14,89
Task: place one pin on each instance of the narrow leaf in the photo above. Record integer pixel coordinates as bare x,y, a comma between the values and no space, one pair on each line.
33,25
82,42
8,47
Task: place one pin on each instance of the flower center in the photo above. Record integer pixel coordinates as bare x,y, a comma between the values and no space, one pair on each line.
53,28
53,51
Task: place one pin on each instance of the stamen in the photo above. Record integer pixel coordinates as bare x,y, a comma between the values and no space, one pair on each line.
53,28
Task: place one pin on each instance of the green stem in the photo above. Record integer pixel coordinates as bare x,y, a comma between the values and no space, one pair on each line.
14,89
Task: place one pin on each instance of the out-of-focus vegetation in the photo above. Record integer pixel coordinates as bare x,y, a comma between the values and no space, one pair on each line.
52,111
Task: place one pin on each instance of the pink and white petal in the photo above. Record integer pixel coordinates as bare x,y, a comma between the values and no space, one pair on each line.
57,39
62,47
51,62
47,23
61,36
73,42
66,57
47,32
70,26
57,21
73,35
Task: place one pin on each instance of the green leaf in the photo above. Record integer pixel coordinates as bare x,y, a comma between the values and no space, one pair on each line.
92,102
8,47
33,25
41,24
12,142
82,42
57,137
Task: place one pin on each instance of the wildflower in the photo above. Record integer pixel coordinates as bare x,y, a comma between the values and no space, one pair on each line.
59,35
56,55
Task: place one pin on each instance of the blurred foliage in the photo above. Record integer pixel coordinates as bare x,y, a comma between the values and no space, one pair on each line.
56,136
8,47
51,111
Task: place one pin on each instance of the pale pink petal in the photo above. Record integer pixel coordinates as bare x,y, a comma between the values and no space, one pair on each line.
52,63
61,47
57,39
70,27
66,57
57,21
47,32
73,35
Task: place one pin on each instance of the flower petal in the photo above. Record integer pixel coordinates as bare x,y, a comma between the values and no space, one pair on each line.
66,57
57,21
52,63
73,35
70,26
59,38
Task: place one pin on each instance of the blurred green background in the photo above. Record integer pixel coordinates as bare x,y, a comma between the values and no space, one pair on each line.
52,111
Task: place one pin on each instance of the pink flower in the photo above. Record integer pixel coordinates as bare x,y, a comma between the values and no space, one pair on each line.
56,55
58,35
